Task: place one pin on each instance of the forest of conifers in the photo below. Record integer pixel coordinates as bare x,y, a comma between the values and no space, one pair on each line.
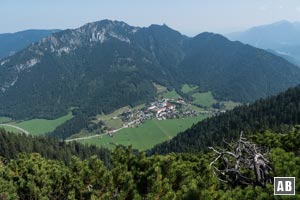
126,174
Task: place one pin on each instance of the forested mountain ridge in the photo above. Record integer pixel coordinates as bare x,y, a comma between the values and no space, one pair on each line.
98,67
13,42
278,113
106,65
235,71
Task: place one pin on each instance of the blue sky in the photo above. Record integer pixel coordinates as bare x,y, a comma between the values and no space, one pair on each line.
187,16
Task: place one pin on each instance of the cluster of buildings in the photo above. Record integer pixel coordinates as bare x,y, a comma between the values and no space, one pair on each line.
160,109
163,109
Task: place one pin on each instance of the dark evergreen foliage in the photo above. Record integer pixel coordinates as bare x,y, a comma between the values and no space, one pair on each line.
12,144
276,113
135,176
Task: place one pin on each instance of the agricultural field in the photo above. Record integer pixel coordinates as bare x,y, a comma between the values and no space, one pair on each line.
159,88
147,135
193,107
188,88
112,120
229,105
163,92
39,126
10,129
171,95
204,99
4,120
113,114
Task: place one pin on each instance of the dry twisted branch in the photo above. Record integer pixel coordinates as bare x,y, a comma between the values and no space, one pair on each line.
233,166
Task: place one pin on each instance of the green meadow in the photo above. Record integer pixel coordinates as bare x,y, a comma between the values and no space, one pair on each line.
171,94
147,135
188,88
39,126
163,92
159,88
10,129
205,99
229,105
4,119
112,120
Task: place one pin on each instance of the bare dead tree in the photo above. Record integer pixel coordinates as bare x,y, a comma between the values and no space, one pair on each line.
237,165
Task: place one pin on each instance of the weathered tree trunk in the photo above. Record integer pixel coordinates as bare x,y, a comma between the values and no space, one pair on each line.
234,166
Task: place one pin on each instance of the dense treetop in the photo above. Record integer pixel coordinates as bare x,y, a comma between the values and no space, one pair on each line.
13,144
135,176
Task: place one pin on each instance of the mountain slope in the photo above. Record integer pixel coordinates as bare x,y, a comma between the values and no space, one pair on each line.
252,72
13,42
98,67
106,65
282,36
277,112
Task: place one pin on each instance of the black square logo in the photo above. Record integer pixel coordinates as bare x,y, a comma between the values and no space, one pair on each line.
284,185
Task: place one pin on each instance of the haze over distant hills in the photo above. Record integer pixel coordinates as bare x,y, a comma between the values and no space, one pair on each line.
106,65
10,43
281,38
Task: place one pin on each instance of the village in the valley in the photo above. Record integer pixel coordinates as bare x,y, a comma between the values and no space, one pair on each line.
162,109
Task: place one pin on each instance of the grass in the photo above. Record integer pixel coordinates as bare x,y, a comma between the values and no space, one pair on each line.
188,88
229,105
113,114
193,107
82,133
5,119
163,92
159,88
205,99
40,126
114,123
147,135
139,107
10,129
112,120
171,95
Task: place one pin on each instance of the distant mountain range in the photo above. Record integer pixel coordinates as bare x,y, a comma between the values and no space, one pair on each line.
106,65
281,38
10,43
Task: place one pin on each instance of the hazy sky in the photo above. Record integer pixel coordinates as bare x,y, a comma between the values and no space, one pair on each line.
187,16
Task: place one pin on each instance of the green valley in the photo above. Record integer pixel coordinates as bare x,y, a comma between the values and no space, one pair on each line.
147,134
146,125
37,126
